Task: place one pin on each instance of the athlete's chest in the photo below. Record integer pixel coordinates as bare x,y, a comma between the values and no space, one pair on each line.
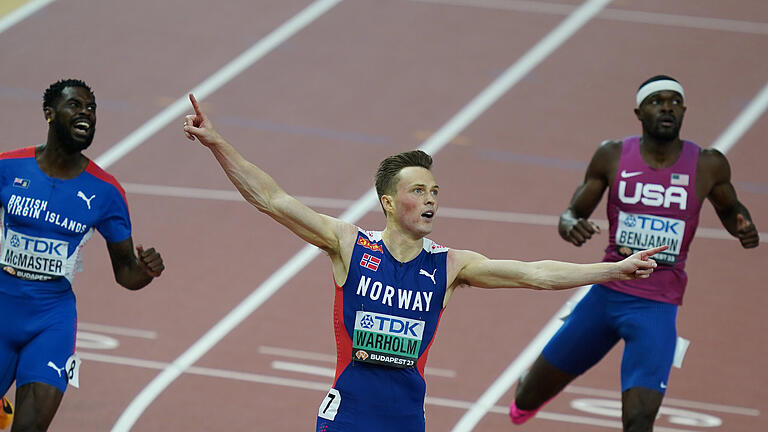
33,200
378,282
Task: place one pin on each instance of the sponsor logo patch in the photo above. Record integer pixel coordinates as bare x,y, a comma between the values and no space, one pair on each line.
636,232
386,339
368,245
20,183
33,258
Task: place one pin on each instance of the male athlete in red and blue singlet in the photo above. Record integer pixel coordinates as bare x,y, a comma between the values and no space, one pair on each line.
52,199
391,286
385,317
657,185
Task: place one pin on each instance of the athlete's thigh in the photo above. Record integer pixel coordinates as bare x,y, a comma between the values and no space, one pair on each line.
585,336
8,360
36,404
648,329
44,358
13,335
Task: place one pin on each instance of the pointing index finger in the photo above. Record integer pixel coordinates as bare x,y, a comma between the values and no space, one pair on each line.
656,250
195,105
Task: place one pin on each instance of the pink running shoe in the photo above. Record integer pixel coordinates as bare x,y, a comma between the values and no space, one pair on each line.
519,416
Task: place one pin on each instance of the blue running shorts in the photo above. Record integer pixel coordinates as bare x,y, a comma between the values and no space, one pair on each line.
37,336
600,320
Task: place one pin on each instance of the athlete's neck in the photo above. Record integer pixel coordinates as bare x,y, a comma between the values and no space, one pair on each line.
402,247
660,153
59,164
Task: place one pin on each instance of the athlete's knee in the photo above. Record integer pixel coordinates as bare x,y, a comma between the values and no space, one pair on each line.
638,421
639,409
36,404
540,384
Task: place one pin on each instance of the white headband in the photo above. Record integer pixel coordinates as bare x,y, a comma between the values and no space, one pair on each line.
657,86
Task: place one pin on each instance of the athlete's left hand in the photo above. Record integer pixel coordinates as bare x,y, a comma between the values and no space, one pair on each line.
150,260
639,265
746,232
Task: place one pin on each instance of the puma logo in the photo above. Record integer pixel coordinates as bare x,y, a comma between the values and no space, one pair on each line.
431,276
58,370
86,199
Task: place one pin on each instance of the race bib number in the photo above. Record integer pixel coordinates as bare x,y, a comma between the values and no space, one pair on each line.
330,405
33,258
636,232
72,369
386,340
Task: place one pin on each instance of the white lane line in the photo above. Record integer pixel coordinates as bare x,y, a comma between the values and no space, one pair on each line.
668,402
743,122
323,387
303,368
292,353
505,381
123,331
299,21
309,355
522,67
231,70
21,13
623,15
337,203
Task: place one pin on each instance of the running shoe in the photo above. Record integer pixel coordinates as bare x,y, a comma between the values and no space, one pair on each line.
6,414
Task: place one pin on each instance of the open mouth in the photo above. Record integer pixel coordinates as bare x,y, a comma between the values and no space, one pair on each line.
82,127
667,121
429,214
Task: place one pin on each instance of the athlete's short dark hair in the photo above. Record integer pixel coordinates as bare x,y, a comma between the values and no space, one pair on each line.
53,92
390,167
657,78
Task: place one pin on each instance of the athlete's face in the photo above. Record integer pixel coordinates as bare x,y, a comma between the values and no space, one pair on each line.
661,114
73,119
414,204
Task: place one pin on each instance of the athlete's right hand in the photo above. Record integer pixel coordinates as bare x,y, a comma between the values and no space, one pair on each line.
639,265
199,126
577,230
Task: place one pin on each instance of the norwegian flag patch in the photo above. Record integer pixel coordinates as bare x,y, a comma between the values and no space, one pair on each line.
370,262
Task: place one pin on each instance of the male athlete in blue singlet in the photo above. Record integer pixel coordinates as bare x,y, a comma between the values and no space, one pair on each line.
53,198
657,185
392,285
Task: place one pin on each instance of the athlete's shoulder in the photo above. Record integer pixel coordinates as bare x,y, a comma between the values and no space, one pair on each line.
373,236
712,162
98,172
22,153
612,146
432,247
605,160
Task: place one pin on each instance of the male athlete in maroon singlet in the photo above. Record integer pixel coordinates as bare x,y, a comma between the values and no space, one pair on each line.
657,185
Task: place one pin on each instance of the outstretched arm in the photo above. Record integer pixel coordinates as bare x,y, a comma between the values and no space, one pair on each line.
733,214
134,271
261,190
476,270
